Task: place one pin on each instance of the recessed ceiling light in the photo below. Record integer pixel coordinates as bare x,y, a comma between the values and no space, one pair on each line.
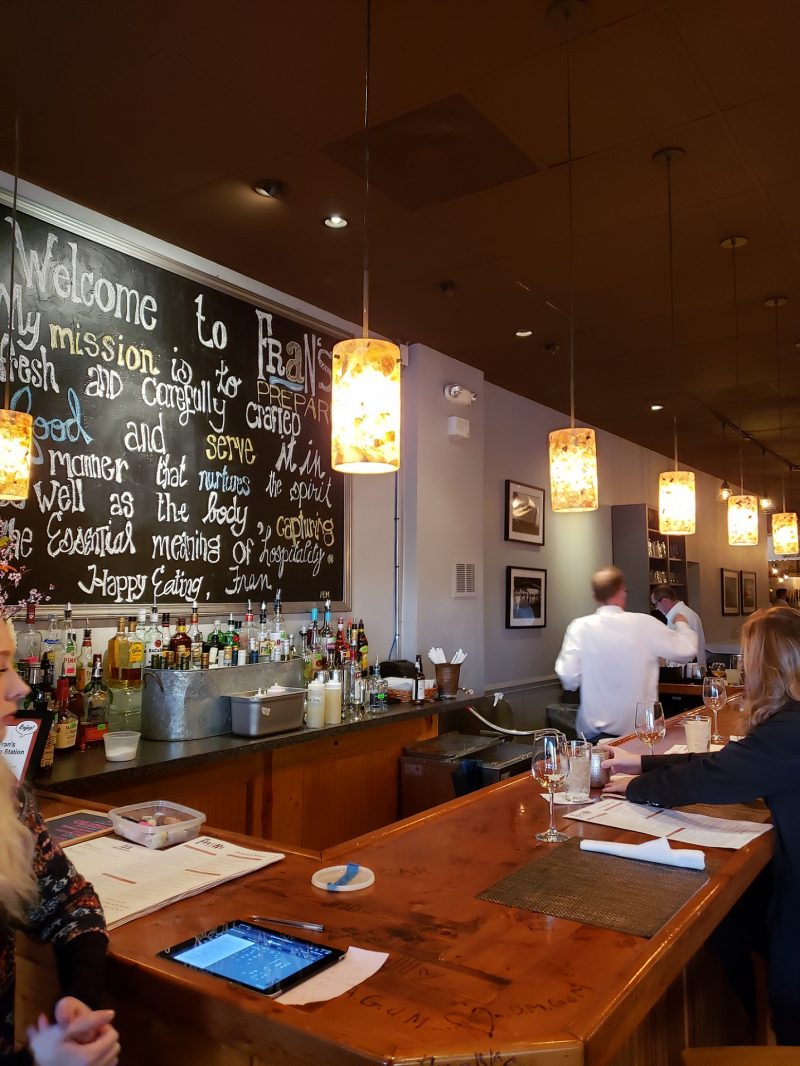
524,333
335,222
270,188
656,406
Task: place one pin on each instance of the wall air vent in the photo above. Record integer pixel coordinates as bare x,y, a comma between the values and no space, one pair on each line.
464,580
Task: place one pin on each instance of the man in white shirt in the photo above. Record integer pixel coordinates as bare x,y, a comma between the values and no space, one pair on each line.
665,599
613,657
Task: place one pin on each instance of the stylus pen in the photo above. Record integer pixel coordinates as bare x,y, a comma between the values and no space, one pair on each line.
311,926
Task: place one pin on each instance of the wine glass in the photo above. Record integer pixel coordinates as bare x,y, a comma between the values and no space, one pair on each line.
718,670
649,723
715,695
549,766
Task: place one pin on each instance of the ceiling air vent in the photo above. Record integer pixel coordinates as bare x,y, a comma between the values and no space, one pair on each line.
464,579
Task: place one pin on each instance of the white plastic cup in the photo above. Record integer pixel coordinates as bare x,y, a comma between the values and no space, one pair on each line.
315,705
698,732
121,745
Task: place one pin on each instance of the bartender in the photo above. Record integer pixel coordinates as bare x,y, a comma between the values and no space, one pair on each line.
666,600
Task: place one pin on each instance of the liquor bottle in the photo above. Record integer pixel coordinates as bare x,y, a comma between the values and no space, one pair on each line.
341,651
237,653
69,659
135,655
47,675
318,660
42,710
264,639
66,722
51,644
215,646
75,705
122,674
328,637
245,636
378,690
227,643
196,637
152,642
181,645
419,680
277,613
363,646
95,713
166,632
38,689
29,639
69,647
313,628
83,675
353,687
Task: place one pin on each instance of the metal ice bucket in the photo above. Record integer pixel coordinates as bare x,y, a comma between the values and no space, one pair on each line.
192,704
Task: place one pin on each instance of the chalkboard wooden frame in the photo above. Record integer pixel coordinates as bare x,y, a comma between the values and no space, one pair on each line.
171,266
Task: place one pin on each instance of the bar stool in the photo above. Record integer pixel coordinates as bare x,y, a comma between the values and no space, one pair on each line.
741,1056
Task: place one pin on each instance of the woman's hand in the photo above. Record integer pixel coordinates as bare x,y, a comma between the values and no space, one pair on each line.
620,761
617,787
78,1037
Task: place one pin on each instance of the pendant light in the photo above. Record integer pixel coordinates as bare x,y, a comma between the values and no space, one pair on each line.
676,488
16,427
365,386
573,451
742,509
785,540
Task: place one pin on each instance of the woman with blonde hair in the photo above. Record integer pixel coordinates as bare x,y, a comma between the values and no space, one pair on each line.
42,894
765,764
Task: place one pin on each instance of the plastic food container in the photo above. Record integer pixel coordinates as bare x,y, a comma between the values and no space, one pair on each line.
121,745
156,824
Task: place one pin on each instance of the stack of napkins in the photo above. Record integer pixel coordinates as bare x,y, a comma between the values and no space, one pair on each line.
657,850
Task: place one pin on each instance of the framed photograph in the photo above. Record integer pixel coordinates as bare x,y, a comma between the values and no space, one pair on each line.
526,598
524,513
748,584
730,591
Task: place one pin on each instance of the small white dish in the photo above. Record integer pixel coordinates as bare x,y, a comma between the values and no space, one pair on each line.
328,878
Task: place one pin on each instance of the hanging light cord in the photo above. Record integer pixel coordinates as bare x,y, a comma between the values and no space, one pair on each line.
736,357
7,403
569,212
365,292
672,301
780,396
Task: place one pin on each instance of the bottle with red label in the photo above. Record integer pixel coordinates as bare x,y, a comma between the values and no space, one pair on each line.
94,722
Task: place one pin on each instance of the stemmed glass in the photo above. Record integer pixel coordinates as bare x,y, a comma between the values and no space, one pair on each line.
549,766
715,695
649,723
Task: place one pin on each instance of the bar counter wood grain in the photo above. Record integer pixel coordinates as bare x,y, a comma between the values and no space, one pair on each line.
466,982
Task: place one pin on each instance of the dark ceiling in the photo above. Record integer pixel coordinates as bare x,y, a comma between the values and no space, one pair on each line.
164,112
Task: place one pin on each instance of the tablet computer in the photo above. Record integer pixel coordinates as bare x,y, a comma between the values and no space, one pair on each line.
253,956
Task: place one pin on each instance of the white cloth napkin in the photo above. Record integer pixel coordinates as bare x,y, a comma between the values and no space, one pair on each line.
657,850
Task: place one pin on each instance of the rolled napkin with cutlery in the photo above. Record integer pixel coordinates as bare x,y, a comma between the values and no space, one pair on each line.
657,850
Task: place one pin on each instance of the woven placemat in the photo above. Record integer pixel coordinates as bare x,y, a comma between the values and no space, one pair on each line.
622,894
739,812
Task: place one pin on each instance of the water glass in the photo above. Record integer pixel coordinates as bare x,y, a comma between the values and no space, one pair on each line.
698,732
578,779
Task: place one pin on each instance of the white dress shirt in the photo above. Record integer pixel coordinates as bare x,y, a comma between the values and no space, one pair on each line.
613,657
694,623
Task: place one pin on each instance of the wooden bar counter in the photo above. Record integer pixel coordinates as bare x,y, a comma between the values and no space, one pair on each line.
467,981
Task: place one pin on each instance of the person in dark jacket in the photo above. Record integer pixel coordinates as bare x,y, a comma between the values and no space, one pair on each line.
42,894
766,763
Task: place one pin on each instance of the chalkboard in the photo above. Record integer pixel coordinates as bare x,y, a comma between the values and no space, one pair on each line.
181,430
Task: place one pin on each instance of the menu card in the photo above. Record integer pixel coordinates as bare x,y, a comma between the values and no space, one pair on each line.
132,880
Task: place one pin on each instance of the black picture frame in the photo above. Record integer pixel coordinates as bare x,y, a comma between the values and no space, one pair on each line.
524,519
526,598
748,601
730,591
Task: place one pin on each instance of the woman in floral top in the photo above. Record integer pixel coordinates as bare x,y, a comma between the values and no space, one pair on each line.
42,894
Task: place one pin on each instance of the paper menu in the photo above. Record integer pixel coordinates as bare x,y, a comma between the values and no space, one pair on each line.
132,880
697,829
